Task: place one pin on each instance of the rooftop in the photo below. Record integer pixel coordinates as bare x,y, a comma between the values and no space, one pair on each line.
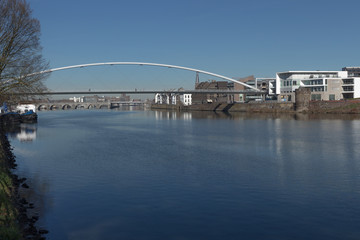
317,71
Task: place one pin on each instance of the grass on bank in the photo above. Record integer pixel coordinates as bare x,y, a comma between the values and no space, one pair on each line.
9,228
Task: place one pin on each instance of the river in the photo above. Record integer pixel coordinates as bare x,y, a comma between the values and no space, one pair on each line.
102,174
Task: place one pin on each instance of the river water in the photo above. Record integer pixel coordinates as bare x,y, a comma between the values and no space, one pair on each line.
101,174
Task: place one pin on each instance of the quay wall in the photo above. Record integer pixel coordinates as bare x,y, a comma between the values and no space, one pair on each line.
302,104
263,107
335,107
234,107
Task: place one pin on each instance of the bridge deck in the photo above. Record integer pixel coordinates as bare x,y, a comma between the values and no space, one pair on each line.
150,92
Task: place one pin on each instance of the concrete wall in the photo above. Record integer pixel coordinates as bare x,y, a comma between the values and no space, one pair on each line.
334,87
356,87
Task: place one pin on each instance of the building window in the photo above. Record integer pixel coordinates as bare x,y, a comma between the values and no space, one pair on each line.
294,83
315,97
348,88
317,89
348,81
332,97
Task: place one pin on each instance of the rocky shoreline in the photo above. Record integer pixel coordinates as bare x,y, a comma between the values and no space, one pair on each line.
16,221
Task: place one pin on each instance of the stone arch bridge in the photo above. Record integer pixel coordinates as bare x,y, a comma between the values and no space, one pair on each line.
83,105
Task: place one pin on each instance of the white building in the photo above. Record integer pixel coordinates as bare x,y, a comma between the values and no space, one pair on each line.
173,98
75,99
186,99
161,98
324,85
24,108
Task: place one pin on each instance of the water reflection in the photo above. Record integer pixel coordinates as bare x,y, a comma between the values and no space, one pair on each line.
24,132
195,175
37,196
161,115
248,115
129,108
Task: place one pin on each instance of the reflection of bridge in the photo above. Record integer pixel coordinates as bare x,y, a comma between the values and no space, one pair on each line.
84,105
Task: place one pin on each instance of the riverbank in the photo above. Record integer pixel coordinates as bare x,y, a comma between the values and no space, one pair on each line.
9,212
15,221
317,107
233,107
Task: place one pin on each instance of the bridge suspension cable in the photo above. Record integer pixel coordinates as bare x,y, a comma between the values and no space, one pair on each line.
146,64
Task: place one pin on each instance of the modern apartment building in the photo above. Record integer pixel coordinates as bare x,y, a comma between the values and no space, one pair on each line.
324,85
352,71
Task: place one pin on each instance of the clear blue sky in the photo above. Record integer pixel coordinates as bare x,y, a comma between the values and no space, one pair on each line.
235,38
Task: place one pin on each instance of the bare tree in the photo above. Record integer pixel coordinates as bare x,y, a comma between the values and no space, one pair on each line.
20,51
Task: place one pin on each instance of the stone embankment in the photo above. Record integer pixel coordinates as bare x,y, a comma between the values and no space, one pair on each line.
15,220
234,107
301,105
335,107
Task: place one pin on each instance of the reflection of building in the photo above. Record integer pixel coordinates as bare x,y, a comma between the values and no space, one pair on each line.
324,85
27,133
159,115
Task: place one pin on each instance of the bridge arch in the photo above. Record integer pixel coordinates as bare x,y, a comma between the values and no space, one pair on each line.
66,107
42,107
103,106
80,106
147,64
54,107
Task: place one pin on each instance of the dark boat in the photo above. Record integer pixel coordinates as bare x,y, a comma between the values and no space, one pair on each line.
28,117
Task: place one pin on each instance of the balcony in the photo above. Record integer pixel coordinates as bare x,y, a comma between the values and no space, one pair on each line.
317,89
348,81
348,88
319,82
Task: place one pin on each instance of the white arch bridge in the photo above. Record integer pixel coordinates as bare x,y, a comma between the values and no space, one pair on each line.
252,88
